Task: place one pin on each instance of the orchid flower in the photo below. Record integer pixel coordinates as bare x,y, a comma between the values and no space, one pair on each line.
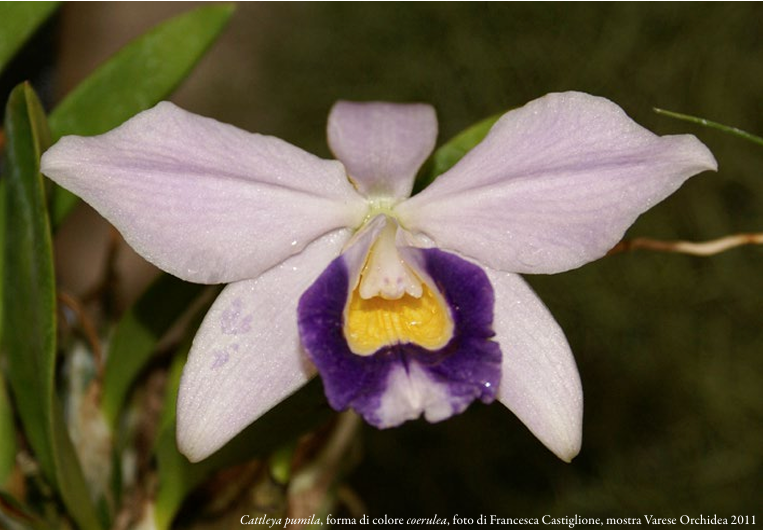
405,306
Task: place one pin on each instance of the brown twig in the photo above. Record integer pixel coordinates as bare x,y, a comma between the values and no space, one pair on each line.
104,291
702,248
88,330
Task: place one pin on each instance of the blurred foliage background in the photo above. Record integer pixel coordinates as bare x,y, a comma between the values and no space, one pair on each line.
670,347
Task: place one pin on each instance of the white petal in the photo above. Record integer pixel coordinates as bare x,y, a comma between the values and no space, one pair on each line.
411,393
554,185
247,356
203,200
540,381
382,145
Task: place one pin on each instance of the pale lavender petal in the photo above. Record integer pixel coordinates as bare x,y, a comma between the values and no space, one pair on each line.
403,381
540,382
203,200
382,145
554,185
247,357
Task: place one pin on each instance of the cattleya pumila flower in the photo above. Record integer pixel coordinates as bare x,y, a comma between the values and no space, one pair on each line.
404,305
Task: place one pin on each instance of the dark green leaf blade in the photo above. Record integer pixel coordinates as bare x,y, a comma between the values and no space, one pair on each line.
19,20
140,75
29,300
2,246
28,339
448,154
7,437
137,335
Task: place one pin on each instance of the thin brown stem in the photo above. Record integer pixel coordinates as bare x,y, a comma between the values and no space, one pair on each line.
702,248
105,290
88,330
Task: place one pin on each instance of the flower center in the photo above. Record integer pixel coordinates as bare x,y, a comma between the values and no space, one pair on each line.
392,305
385,273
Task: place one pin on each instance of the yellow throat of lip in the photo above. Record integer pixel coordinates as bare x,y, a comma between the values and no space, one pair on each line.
371,324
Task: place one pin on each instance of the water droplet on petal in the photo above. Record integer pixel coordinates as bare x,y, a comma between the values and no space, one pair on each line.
531,256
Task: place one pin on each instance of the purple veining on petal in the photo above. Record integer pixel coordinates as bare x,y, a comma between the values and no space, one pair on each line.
467,368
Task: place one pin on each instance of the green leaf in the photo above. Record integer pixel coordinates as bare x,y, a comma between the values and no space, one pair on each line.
299,413
7,437
2,259
18,20
137,335
447,155
29,300
712,125
29,305
140,75
7,428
